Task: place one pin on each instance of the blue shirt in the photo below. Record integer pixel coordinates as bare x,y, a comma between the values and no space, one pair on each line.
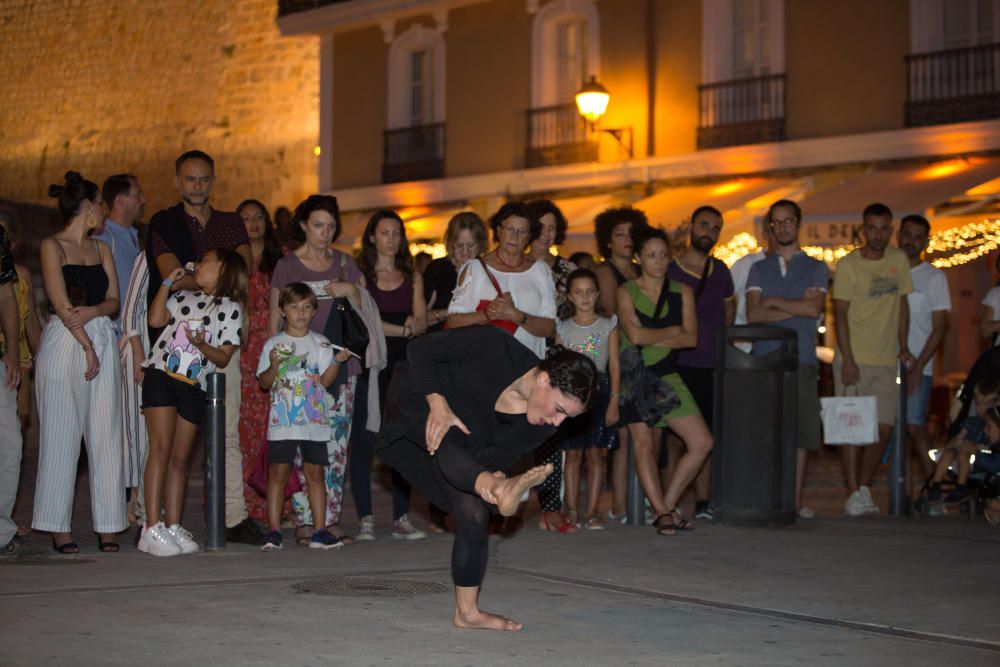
772,276
124,244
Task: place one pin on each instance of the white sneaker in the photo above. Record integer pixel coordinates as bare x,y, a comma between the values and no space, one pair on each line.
183,539
806,513
366,531
855,505
866,497
157,541
402,529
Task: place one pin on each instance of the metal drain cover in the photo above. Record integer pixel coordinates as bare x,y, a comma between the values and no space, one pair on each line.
369,587
43,560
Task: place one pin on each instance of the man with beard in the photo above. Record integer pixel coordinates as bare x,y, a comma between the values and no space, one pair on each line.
183,234
872,323
929,303
126,202
715,306
787,289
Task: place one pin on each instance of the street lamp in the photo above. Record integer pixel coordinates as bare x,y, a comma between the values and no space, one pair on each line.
591,103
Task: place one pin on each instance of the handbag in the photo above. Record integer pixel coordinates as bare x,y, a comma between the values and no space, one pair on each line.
260,473
345,327
849,420
652,396
507,325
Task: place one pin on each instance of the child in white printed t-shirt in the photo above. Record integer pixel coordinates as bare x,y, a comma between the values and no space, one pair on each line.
297,365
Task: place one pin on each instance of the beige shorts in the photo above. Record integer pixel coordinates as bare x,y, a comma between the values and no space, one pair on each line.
877,381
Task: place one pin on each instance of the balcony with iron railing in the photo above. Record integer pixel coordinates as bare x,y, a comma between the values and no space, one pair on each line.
413,153
286,7
558,135
742,111
953,86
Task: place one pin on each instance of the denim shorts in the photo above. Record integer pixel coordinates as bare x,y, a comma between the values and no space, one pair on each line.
917,402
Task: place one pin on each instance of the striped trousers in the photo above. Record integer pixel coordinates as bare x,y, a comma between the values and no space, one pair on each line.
71,408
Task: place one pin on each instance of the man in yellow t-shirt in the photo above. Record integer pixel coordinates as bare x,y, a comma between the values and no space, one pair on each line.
872,319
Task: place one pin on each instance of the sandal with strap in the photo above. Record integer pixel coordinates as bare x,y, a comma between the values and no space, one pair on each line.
680,523
563,527
66,548
336,531
665,528
303,535
595,522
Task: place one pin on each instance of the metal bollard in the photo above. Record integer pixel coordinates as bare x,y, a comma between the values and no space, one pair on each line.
635,510
215,464
898,497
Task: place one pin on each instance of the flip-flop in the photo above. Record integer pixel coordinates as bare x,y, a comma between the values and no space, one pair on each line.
109,547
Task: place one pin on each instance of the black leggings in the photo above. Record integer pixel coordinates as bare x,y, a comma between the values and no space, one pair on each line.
456,472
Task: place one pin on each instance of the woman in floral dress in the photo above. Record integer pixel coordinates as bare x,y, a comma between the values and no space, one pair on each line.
266,252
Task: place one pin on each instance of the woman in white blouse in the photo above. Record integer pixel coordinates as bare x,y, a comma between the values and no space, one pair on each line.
506,287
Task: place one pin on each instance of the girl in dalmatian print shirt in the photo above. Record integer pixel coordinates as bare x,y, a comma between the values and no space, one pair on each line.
201,330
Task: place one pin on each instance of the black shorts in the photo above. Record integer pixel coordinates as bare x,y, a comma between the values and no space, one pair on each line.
701,383
159,390
283,451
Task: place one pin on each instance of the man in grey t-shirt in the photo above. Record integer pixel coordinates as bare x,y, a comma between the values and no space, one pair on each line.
787,289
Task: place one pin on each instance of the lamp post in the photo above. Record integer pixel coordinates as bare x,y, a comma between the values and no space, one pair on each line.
592,102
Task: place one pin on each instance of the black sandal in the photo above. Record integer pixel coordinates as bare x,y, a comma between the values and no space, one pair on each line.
667,529
66,548
109,547
680,523
303,535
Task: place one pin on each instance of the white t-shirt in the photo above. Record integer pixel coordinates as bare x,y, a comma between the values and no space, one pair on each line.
174,354
298,398
992,299
533,292
740,271
929,295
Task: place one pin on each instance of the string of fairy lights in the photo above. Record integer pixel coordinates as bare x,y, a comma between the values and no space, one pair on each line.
947,248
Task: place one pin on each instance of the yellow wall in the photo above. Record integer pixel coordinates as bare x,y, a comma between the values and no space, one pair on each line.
488,87
845,67
678,75
359,107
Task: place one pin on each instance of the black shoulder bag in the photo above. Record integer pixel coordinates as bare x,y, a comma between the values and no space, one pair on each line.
344,327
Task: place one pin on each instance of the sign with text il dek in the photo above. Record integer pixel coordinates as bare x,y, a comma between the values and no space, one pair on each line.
830,232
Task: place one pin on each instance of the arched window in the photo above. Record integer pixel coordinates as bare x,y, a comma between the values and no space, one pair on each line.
565,50
416,78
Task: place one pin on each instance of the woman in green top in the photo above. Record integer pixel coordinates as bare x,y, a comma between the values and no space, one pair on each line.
657,316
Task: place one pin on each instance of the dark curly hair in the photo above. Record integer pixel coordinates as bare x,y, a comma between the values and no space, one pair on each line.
609,218
542,207
517,209
71,194
272,247
403,261
312,204
572,373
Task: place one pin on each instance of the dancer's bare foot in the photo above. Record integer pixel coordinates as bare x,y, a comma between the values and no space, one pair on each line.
481,620
506,493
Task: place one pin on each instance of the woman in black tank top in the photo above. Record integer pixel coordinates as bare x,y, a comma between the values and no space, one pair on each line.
615,229
78,373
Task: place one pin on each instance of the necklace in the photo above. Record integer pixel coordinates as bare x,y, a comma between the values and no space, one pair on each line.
517,266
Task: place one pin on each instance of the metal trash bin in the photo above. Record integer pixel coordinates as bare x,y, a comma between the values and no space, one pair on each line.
754,429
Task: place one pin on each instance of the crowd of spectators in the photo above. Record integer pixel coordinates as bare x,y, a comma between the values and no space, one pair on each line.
134,329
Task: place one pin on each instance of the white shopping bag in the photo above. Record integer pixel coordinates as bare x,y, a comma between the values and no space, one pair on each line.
849,420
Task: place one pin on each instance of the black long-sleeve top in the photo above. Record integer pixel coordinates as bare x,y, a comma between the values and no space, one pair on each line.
470,367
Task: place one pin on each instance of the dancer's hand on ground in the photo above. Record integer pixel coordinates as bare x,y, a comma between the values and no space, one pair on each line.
439,420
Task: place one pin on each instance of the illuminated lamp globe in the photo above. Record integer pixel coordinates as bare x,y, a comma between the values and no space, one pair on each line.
592,100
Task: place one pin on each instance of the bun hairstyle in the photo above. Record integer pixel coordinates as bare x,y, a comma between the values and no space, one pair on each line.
71,194
572,373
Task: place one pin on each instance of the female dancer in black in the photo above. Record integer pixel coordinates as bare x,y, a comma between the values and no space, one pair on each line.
469,404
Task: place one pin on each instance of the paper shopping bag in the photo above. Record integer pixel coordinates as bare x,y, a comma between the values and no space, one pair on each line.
849,420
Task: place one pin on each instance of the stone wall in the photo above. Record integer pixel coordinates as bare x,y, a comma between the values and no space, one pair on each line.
104,86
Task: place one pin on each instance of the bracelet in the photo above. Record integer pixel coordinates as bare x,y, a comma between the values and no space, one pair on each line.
168,283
